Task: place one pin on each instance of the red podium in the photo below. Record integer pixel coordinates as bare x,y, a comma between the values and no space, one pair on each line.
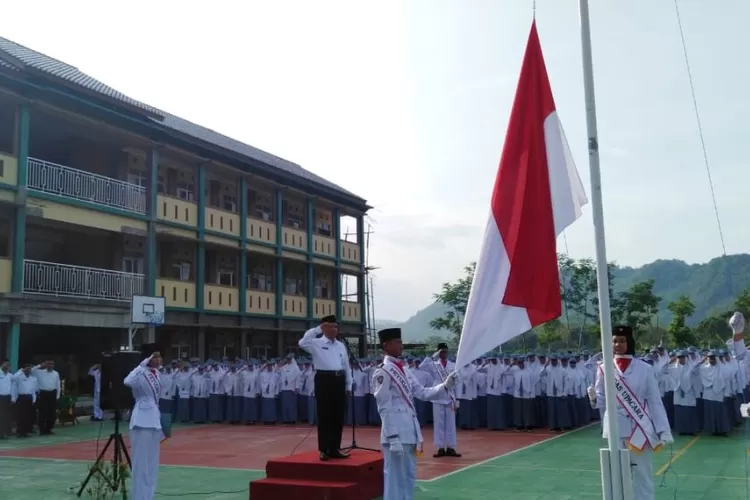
360,477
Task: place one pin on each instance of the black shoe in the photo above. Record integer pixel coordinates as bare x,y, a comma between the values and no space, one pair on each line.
440,453
324,457
450,452
339,454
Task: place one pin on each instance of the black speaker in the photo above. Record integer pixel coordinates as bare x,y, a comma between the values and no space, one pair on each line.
115,367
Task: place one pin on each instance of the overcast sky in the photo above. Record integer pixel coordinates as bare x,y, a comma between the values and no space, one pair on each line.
406,104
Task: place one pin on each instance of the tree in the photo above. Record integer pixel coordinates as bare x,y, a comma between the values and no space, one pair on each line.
637,307
432,342
742,303
456,297
680,335
549,334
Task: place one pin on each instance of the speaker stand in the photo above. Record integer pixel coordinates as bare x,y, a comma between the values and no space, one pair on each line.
114,479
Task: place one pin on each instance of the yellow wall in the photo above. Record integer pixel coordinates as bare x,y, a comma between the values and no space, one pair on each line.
222,221
295,306
260,230
177,293
323,307
294,238
176,210
221,298
83,216
9,169
351,311
5,275
322,245
349,251
260,302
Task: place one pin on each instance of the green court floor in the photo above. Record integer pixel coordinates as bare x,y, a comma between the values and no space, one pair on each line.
563,468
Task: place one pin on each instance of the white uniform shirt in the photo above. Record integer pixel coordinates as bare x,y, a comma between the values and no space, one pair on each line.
146,386
327,355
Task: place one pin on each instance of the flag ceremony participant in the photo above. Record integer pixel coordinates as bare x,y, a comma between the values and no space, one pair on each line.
444,407
333,383
644,419
145,423
400,434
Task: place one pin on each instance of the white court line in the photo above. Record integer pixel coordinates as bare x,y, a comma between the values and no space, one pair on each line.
512,452
66,460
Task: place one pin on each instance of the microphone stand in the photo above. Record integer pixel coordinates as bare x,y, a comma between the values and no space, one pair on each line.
354,361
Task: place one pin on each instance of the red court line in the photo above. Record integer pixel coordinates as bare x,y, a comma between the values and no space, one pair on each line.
250,447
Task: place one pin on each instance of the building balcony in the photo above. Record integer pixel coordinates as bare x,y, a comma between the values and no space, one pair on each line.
221,298
323,245
351,312
176,293
323,307
63,280
176,210
8,169
6,273
295,306
258,302
261,230
221,221
294,238
71,183
350,252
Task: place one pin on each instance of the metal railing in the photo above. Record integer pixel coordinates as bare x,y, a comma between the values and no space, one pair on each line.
48,177
63,280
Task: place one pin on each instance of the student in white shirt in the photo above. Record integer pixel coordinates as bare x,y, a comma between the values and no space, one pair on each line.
145,423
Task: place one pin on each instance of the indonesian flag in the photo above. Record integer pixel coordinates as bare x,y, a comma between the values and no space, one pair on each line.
537,194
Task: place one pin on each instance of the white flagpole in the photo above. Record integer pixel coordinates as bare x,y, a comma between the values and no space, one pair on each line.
615,489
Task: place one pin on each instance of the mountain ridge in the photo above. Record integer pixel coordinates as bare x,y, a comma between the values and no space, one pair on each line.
712,286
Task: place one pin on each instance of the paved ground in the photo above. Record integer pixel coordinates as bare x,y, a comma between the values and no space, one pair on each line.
217,462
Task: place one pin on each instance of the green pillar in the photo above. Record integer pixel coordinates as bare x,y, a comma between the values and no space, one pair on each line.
279,254
152,193
19,227
362,280
200,271
310,255
243,246
336,223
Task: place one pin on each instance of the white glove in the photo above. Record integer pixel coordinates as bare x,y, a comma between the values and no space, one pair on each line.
394,444
666,438
450,382
737,323
436,355
592,394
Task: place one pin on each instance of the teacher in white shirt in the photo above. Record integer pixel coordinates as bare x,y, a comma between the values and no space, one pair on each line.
333,382
145,422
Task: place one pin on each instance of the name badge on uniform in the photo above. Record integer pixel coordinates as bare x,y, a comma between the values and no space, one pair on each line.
324,348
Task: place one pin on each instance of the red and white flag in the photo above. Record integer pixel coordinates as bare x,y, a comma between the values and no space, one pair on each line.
537,194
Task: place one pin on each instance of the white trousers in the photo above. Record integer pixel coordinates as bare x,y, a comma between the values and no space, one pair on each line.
98,413
399,473
642,470
145,460
444,425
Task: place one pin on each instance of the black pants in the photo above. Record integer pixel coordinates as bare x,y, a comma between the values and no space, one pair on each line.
47,407
330,401
5,417
24,415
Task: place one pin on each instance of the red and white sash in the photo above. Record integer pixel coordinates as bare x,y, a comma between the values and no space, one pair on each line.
643,432
153,383
443,374
398,377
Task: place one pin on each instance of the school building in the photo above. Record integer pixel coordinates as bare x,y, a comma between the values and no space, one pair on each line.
103,197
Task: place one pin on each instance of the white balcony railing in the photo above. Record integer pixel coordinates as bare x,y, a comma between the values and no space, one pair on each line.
62,280
68,182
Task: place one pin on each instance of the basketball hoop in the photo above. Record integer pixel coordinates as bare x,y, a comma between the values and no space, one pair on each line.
155,318
147,312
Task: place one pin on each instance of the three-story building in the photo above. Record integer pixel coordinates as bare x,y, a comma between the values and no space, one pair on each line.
103,197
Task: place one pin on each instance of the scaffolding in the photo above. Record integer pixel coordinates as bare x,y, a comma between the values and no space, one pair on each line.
371,333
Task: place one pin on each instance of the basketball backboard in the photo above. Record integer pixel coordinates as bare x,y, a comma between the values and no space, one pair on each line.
147,310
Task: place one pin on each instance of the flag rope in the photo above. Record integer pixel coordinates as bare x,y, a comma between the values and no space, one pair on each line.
700,126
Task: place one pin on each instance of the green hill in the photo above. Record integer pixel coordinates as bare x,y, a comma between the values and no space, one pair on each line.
712,286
